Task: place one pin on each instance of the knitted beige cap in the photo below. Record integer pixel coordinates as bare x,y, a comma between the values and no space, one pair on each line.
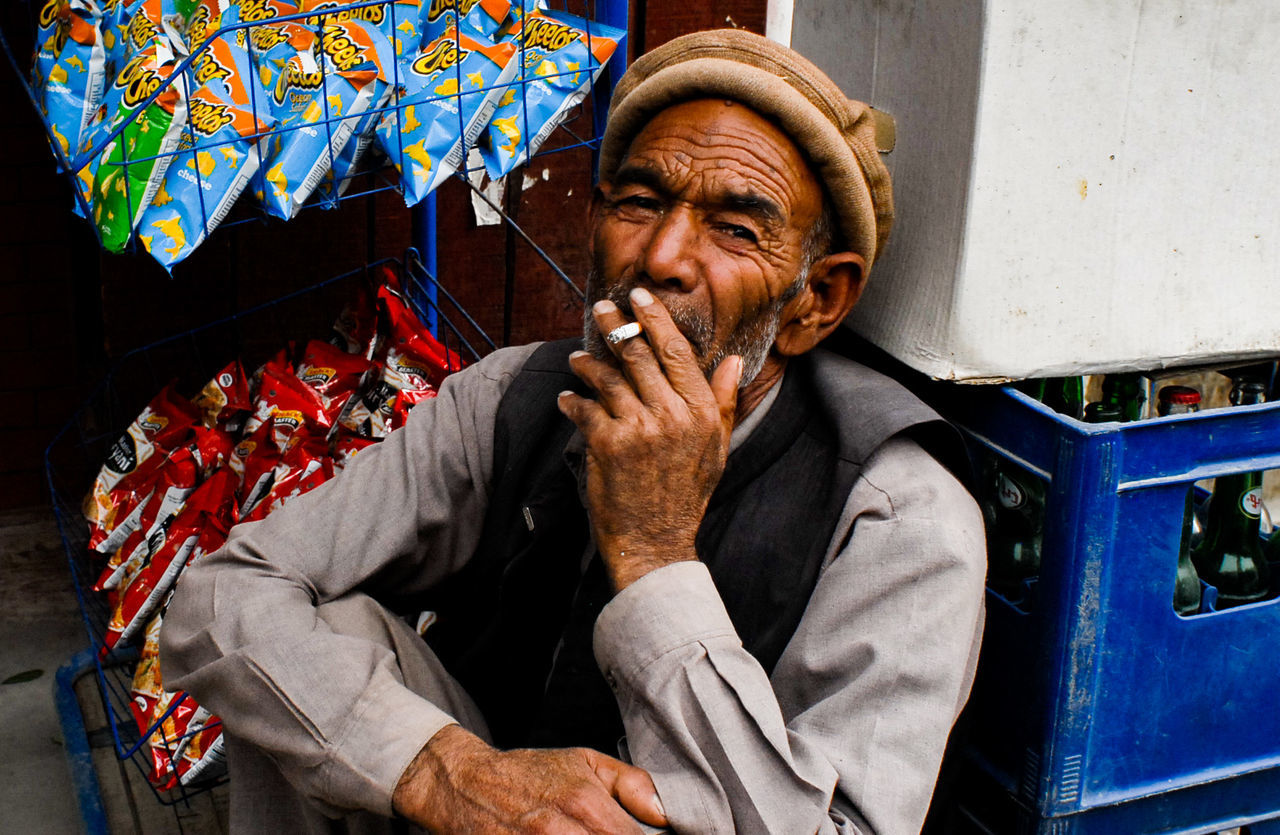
838,135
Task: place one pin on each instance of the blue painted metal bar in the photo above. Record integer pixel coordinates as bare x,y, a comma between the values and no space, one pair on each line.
75,740
423,235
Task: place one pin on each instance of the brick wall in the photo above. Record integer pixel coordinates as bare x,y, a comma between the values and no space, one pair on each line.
46,330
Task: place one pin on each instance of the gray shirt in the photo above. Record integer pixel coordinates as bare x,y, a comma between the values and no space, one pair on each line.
845,736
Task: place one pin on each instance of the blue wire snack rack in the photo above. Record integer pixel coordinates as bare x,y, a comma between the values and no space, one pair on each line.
74,457
229,141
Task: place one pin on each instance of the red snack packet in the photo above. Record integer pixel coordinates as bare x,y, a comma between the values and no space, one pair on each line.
201,753
304,466
225,399
201,526
331,371
163,425
290,405
149,702
255,463
347,446
210,450
356,327
406,400
176,480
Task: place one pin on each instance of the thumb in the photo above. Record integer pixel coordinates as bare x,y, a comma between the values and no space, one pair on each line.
724,386
632,787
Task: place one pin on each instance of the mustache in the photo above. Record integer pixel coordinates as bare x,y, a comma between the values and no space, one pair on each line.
691,323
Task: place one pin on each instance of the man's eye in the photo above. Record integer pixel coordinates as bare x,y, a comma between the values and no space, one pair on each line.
640,201
742,233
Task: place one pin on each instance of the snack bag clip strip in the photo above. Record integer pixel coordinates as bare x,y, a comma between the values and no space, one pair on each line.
164,112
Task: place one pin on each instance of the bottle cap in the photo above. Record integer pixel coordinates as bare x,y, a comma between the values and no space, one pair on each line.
1179,395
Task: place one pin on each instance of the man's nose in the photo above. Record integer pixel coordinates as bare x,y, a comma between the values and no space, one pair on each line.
670,254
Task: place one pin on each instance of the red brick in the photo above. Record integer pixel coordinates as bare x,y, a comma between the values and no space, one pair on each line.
17,410
23,489
15,333
26,297
23,369
23,449
55,406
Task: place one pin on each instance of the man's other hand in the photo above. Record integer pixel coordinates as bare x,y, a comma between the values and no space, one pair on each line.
459,783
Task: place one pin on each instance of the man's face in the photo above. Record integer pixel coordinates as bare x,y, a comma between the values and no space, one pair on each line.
708,211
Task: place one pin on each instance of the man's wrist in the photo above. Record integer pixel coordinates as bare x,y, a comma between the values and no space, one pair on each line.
422,778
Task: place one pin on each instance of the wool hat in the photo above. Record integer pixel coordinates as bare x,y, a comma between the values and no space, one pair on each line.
842,138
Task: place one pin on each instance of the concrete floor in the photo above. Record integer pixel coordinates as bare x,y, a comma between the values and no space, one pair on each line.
40,630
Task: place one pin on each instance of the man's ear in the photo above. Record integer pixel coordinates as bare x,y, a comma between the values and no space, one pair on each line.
834,286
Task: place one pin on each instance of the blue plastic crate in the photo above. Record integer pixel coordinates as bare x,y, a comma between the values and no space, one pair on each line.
1097,708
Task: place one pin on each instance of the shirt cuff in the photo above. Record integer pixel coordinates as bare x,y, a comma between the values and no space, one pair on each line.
391,727
668,608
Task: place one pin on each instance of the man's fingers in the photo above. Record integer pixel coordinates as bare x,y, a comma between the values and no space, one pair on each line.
614,392
668,344
632,786
725,381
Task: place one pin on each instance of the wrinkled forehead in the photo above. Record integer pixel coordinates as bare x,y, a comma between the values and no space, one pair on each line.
725,143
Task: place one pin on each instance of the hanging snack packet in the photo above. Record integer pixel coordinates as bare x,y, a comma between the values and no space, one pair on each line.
560,57
218,154
449,92
70,69
318,98
397,20
164,424
484,17
132,166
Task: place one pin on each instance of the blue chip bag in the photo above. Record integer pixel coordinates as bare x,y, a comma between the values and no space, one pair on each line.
70,69
319,97
132,165
217,161
557,70
478,16
396,19
449,92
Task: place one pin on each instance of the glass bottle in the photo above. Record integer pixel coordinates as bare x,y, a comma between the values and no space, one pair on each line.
1230,555
1127,392
1181,400
1064,395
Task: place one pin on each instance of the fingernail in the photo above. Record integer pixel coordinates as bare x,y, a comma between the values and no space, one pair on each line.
604,306
564,393
577,354
641,297
739,359
657,804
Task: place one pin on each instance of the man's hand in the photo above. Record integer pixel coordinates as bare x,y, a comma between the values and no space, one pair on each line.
657,438
458,783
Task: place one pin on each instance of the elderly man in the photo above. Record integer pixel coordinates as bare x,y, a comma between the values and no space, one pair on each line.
700,545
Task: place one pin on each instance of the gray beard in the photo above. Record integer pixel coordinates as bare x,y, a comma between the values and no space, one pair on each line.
752,339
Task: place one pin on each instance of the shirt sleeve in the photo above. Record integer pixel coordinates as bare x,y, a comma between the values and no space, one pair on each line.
848,733
242,634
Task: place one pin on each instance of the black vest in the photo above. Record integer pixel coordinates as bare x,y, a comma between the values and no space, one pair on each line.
515,625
